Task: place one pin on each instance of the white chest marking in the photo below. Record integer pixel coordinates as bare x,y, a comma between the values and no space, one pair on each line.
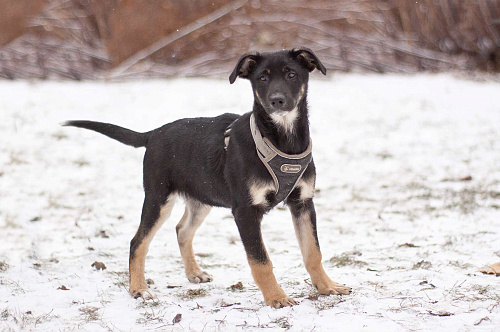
287,120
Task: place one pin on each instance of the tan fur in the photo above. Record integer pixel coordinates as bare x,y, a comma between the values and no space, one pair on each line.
312,258
258,97
258,192
264,278
138,285
306,188
193,217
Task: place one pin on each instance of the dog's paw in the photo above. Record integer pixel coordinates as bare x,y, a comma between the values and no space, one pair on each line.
332,288
145,293
199,277
285,301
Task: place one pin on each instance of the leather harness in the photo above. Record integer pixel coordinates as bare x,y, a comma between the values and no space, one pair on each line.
285,169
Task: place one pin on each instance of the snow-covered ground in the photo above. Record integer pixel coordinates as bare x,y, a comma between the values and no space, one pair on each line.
408,204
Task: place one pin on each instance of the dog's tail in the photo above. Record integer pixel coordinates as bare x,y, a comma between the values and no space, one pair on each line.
123,135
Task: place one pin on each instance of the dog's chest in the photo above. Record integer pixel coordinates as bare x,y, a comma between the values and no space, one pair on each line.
264,193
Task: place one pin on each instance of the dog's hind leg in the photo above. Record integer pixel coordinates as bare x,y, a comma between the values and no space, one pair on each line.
304,220
193,217
156,209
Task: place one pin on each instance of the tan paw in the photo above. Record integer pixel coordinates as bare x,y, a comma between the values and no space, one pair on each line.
329,287
199,276
145,293
281,302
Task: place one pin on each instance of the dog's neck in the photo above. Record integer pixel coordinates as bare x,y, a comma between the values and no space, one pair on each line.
290,135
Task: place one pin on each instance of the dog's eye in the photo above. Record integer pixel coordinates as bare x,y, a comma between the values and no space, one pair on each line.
263,78
291,74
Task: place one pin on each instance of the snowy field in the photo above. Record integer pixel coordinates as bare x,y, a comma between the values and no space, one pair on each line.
408,204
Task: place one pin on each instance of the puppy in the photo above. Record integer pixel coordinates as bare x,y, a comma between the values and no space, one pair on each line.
247,163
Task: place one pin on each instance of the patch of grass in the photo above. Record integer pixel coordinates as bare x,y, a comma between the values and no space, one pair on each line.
356,196
282,322
10,222
4,314
423,192
481,289
81,162
26,319
203,255
474,293
15,159
3,266
121,278
149,303
463,200
148,317
463,266
327,302
406,303
193,294
425,265
59,136
348,259
90,313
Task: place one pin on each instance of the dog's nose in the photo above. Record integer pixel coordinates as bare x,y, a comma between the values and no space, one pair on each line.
277,100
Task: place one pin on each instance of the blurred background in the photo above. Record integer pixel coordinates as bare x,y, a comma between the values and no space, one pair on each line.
91,39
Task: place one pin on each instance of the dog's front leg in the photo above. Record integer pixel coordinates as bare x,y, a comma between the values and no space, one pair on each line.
304,220
248,220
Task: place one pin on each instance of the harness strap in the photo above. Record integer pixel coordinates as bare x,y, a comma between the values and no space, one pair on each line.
227,134
285,169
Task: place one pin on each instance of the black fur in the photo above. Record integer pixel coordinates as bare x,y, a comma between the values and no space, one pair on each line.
123,135
188,157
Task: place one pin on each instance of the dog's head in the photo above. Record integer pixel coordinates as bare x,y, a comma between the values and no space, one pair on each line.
279,80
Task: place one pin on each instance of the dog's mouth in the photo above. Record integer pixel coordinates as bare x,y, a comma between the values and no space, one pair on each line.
281,112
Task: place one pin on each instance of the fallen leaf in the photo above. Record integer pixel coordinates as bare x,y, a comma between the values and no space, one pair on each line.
177,318
491,269
440,313
99,265
237,286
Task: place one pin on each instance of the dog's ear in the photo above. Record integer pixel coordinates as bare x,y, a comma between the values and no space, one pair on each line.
308,59
244,66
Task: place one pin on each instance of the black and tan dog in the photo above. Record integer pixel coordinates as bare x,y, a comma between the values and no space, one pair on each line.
248,163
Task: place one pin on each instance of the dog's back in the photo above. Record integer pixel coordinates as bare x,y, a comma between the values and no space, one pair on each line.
188,156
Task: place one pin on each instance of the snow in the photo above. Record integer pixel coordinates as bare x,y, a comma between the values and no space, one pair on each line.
404,228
